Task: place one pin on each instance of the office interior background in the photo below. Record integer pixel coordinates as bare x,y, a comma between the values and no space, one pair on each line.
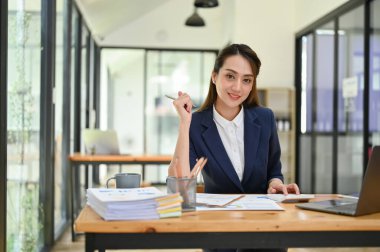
69,65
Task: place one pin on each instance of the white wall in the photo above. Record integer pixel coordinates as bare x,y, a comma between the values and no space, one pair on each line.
308,11
269,27
164,27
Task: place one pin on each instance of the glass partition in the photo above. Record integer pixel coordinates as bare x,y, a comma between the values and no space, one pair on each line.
59,184
167,73
322,120
23,129
332,128
122,101
374,80
149,124
350,101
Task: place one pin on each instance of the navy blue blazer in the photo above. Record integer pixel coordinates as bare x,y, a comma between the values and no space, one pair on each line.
261,152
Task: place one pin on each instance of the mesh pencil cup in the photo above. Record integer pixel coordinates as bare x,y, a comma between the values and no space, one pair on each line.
186,187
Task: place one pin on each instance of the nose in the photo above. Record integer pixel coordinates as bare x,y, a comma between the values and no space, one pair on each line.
238,84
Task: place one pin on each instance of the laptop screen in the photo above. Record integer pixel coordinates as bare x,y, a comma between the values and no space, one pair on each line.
100,142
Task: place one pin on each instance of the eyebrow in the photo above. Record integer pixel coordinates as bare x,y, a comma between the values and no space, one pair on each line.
247,75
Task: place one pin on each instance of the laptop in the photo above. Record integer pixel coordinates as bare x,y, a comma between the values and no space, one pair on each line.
369,196
100,142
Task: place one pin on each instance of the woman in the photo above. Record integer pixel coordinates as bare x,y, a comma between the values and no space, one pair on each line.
238,137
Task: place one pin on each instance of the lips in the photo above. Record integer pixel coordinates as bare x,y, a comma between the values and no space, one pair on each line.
234,96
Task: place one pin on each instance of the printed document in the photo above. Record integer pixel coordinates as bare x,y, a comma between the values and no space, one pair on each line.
249,202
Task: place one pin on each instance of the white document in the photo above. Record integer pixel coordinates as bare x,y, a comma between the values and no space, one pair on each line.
247,203
215,200
125,195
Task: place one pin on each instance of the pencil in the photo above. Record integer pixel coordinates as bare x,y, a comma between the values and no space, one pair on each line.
200,167
196,166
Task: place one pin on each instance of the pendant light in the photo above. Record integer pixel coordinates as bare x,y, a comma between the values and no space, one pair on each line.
206,3
195,20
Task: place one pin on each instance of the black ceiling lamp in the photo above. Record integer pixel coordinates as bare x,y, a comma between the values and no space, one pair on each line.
206,3
195,20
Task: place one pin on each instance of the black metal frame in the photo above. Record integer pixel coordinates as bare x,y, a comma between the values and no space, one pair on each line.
77,81
88,93
366,73
298,93
46,188
96,97
313,118
77,94
335,110
3,121
88,78
145,141
160,49
334,17
66,112
103,241
96,103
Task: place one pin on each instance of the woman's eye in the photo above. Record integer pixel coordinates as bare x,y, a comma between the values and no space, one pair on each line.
230,76
248,81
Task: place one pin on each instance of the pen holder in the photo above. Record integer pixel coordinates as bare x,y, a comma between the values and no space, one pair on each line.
186,187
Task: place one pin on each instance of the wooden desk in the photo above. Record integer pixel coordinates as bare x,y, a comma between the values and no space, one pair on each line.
76,160
232,229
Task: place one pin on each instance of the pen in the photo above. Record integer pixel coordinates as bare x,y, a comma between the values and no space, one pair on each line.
173,98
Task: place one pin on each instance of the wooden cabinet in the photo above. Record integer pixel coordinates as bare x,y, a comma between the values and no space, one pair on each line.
281,101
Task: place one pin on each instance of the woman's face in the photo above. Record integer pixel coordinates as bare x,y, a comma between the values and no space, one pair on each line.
233,82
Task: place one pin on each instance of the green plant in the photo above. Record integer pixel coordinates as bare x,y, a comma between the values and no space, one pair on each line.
23,209
29,223
23,225
21,101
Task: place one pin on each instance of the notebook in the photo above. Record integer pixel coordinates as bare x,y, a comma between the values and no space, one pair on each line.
100,142
368,201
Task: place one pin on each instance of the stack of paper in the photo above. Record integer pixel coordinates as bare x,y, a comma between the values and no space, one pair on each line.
134,204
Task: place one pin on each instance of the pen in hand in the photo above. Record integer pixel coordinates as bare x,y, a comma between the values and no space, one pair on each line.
173,98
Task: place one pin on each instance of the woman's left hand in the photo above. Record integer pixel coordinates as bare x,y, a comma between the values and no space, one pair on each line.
279,187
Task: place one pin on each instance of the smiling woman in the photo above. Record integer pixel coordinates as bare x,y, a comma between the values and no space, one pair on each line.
236,135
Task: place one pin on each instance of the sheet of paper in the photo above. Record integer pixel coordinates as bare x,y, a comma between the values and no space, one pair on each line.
247,203
211,199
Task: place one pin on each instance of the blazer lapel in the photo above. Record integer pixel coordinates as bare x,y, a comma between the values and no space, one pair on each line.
216,147
252,132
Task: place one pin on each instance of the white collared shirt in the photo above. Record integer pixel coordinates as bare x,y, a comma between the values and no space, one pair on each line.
232,135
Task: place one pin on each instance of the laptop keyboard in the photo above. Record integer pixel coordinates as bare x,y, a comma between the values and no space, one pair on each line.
347,208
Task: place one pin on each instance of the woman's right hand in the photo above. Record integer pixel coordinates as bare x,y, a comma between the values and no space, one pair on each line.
183,105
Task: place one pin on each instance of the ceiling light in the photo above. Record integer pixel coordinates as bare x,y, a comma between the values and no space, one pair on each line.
195,20
206,3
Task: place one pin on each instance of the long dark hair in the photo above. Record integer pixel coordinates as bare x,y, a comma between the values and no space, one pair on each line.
231,50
